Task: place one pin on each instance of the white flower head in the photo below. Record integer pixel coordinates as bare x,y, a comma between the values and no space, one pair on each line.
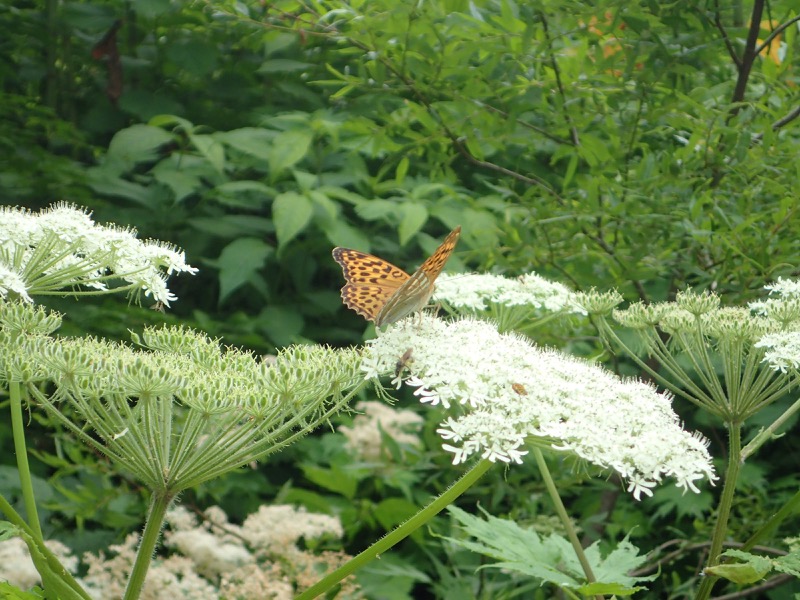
503,392
476,291
61,250
783,309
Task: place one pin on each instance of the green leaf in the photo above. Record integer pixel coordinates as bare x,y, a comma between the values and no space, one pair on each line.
244,194
401,171
254,141
211,149
415,215
291,212
752,568
334,479
390,513
282,324
239,261
287,149
10,592
789,563
551,559
283,65
137,144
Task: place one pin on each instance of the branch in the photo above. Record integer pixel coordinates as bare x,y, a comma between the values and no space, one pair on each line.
725,38
753,592
573,131
775,33
748,57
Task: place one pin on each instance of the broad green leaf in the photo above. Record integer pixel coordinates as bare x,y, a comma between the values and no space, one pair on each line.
333,479
232,226
239,261
291,212
137,144
244,193
393,511
211,149
254,141
283,324
288,148
414,216
375,210
340,233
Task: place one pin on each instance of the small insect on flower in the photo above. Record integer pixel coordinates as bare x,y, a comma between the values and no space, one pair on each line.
519,388
403,362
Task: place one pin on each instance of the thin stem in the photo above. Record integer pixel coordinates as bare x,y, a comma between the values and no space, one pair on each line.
766,434
26,484
52,562
152,530
426,514
561,511
724,509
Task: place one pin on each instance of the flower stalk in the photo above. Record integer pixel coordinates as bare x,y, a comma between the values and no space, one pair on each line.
400,533
561,511
726,350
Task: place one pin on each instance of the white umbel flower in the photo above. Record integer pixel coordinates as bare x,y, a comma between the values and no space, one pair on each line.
476,291
61,250
503,392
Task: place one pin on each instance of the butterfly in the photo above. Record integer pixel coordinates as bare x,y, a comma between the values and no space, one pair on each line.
383,293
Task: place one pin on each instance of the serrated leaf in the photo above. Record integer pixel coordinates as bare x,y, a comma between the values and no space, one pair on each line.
291,212
752,567
789,564
551,559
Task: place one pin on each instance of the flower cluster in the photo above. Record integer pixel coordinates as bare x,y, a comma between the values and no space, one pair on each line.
61,250
364,436
782,347
504,392
210,409
476,292
214,559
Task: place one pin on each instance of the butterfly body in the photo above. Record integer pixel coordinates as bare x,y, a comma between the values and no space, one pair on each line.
383,293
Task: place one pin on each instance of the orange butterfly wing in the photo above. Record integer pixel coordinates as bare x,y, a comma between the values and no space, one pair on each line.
383,293
370,281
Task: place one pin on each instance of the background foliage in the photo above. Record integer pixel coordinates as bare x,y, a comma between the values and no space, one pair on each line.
638,145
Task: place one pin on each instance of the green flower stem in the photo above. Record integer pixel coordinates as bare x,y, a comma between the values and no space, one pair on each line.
768,528
18,429
724,508
426,514
52,562
696,397
155,519
765,434
562,514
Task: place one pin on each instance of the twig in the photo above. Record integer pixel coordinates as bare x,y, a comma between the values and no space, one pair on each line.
725,38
